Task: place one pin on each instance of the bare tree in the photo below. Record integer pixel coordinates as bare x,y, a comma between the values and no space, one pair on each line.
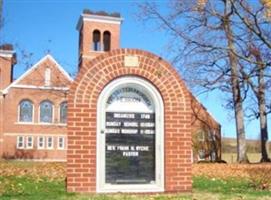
235,83
259,91
205,49
255,68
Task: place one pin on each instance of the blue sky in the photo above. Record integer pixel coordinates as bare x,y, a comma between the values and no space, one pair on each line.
41,26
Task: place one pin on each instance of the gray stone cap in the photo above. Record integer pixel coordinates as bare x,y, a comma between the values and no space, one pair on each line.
104,17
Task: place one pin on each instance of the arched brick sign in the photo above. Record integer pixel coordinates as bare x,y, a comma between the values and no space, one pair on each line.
165,112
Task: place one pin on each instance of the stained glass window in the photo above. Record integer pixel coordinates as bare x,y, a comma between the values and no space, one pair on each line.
63,112
46,112
26,111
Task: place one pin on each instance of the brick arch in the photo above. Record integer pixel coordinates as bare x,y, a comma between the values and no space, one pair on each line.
84,93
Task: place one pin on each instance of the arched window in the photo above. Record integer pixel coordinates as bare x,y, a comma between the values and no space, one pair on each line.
107,40
63,112
130,112
26,111
46,111
96,40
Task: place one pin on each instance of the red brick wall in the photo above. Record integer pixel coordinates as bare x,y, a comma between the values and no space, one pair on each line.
202,121
54,154
11,128
82,101
36,77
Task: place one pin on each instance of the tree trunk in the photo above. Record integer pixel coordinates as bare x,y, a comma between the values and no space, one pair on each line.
263,126
259,92
236,91
262,110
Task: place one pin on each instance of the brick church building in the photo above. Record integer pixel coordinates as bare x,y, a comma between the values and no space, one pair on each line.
33,108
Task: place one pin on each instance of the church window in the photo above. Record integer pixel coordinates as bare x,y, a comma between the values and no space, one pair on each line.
46,112
20,142
41,141
96,40
63,112
25,111
107,40
29,142
61,142
50,142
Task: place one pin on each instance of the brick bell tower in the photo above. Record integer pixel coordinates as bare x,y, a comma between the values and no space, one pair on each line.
99,32
7,61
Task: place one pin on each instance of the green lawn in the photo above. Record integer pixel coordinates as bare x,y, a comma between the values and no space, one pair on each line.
206,188
26,188
45,181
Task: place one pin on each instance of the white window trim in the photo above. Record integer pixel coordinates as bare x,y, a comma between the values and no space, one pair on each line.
6,53
43,143
53,114
25,123
95,18
60,124
41,124
19,110
158,186
34,133
32,142
52,147
40,87
18,140
58,143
